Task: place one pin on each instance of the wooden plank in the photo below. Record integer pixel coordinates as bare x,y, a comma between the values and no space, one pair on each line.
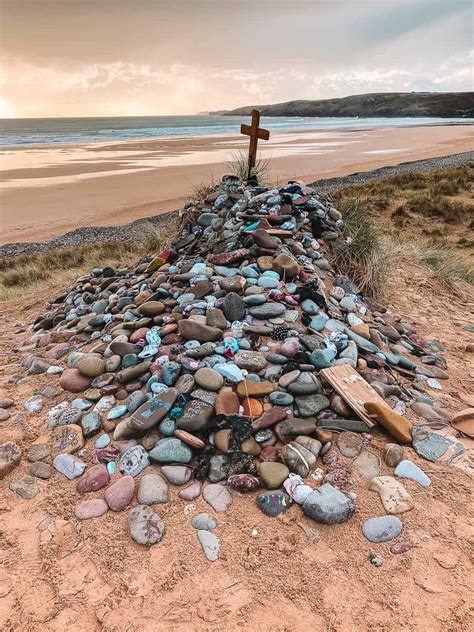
353,389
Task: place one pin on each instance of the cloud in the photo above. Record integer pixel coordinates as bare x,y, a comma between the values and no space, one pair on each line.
126,89
85,58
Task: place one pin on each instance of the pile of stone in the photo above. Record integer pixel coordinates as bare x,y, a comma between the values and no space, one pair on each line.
202,364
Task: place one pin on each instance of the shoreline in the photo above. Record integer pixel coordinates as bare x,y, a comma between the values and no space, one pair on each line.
192,137
95,235
47,192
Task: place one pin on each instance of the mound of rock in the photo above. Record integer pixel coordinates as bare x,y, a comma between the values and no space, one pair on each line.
203,363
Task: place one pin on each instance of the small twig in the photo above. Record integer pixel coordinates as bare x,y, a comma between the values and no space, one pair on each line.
233,584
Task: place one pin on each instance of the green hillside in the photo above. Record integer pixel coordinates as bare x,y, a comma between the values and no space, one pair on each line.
442,104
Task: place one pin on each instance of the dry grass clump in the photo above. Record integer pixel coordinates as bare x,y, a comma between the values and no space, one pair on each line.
238,166
419,193
204,188
365,259
369,258
433,204
441,260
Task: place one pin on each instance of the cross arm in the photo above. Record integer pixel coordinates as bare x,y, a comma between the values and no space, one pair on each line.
263,134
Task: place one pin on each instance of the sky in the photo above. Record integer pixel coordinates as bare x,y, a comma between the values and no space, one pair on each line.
153,57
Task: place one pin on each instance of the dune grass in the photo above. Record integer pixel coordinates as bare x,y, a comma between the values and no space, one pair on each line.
26,273
425,194
441,260
423,203
364,256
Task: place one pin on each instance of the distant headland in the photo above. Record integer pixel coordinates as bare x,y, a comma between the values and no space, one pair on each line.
384,104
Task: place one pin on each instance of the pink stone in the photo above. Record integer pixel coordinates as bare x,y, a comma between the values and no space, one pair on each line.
62,336
57,351
91,509
71,380
138,334
169,329
191,492
224,258
269,418
270,453
120,494
290,348
93,479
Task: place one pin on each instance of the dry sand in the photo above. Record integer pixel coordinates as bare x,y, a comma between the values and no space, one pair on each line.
46,191
57,573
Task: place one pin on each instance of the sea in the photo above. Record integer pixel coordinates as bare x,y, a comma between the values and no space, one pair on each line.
55,131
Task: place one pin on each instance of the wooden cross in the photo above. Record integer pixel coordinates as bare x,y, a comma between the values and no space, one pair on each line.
255,132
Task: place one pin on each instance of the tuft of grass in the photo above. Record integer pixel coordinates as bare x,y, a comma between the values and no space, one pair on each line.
204,188
441,260
238,166
432,204
365,259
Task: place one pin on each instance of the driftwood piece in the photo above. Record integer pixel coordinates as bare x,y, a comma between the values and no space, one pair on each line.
353,389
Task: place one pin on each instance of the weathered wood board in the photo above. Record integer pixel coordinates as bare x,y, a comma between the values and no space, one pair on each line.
353,389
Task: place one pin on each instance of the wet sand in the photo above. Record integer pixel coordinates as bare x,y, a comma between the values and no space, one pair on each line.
46,191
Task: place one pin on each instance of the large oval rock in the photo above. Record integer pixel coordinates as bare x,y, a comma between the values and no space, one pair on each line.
209,379
171,450
382,528
151,308
273,474
191,330
298,458
177,474
145,526
91,365
93,508
153,489
94,478
234,307
134,461
217,496
328,505
120,494
73,381
267,310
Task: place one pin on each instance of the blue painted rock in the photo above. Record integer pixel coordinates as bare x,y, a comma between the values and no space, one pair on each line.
153,411
133,461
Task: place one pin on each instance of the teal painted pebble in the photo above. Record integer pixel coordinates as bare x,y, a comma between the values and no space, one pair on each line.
102,441
116,412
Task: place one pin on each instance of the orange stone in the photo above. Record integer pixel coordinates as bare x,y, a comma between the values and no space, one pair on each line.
252,407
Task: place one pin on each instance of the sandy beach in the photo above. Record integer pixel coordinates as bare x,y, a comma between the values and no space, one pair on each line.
48,190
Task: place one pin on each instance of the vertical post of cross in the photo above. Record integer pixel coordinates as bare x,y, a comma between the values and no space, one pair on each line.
255,132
